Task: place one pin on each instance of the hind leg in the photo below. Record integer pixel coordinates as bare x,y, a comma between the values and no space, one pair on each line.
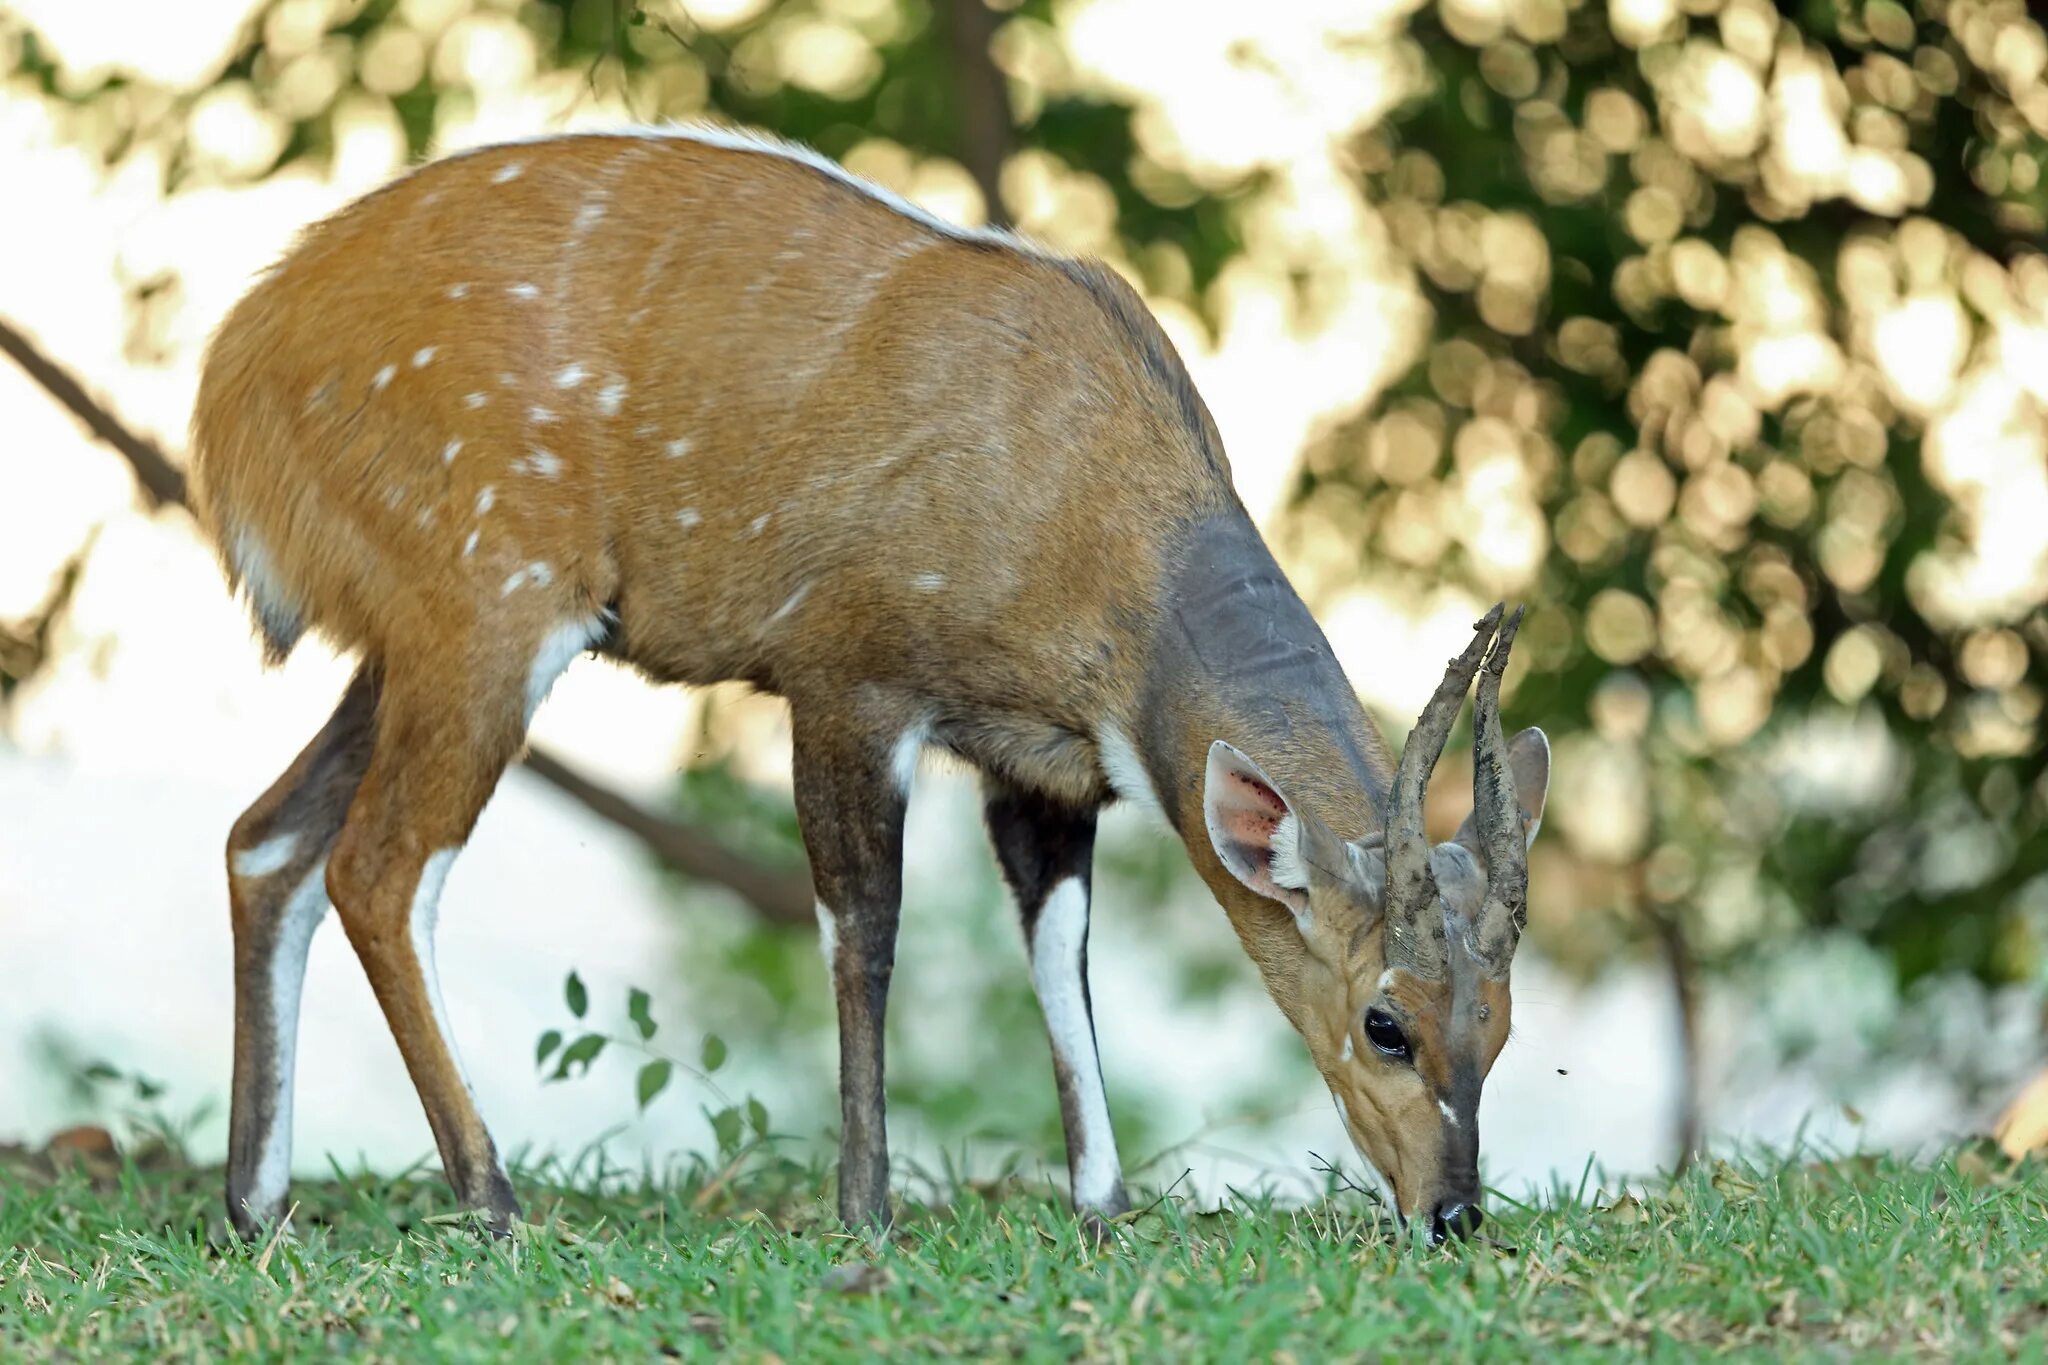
277,861
445,735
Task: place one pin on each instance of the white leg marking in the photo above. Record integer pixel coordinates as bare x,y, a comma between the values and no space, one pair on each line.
1127,775
828,935
426,914
302,915
1056,946
903,758
267,857
556,652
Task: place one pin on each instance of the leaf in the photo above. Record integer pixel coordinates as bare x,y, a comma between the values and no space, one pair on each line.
653,1080
714,1052
636,1010
583,1050
147,1089
726,1125
549,1041
757,1117
573,992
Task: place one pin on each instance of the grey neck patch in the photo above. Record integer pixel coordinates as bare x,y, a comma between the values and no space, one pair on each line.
1238,654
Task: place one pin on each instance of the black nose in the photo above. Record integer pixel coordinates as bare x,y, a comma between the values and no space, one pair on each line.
1454,1218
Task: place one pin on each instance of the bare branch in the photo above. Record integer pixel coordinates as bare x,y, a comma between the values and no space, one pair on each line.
161,480
782,897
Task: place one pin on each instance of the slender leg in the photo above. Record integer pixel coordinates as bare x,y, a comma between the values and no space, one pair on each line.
1045,850
440,750
850,807
277,861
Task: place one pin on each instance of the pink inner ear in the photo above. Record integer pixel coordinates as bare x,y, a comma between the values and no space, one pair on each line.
1261,795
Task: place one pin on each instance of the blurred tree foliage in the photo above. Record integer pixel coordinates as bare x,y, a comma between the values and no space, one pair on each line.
1729,310
1732,300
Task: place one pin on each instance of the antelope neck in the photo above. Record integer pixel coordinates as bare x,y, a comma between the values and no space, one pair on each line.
1238,657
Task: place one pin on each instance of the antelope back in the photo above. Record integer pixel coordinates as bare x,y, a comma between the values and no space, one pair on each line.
785,427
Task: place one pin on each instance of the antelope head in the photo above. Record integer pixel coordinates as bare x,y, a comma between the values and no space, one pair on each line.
1401,984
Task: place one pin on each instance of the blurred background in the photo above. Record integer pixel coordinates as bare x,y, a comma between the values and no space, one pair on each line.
1718,334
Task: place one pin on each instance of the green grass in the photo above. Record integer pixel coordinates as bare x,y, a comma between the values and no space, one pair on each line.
1863,1256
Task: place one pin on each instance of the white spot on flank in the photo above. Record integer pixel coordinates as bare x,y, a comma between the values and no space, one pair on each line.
542,462
476,400
506,379
507,172
1125,769
588,215
458,291
302,915
610,397
539,415
383,377
486,498
524,290
570,376
469,546
791,605
758,524
1444,1108
1058,941
828,935
267,857
451,450
903,758
687,518
423,356
537,573
929,582
677,448
644,429
556,652
426,914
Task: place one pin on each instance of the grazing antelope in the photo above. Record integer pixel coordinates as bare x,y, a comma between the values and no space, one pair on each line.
707,404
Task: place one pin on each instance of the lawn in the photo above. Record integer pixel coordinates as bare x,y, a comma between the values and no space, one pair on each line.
1861,1255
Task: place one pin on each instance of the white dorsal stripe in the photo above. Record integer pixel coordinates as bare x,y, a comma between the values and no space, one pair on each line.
736,139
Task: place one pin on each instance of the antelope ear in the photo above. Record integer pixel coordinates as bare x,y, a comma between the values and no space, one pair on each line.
1529,763
1256,833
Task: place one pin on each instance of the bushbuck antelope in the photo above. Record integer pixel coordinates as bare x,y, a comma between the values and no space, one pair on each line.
707,404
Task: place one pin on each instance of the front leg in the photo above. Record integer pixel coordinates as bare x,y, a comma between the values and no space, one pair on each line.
1046,850
850,803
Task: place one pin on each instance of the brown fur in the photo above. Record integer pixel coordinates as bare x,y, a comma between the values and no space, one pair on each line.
756,424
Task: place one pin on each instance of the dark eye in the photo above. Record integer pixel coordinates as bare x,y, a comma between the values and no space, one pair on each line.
1383,1033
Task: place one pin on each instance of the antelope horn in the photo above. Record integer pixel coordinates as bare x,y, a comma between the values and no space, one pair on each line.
1497,817
1415,928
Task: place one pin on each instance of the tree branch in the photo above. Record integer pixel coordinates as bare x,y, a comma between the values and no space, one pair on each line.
782,897
982,95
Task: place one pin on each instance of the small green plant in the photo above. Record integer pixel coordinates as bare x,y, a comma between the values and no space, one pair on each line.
740,1126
